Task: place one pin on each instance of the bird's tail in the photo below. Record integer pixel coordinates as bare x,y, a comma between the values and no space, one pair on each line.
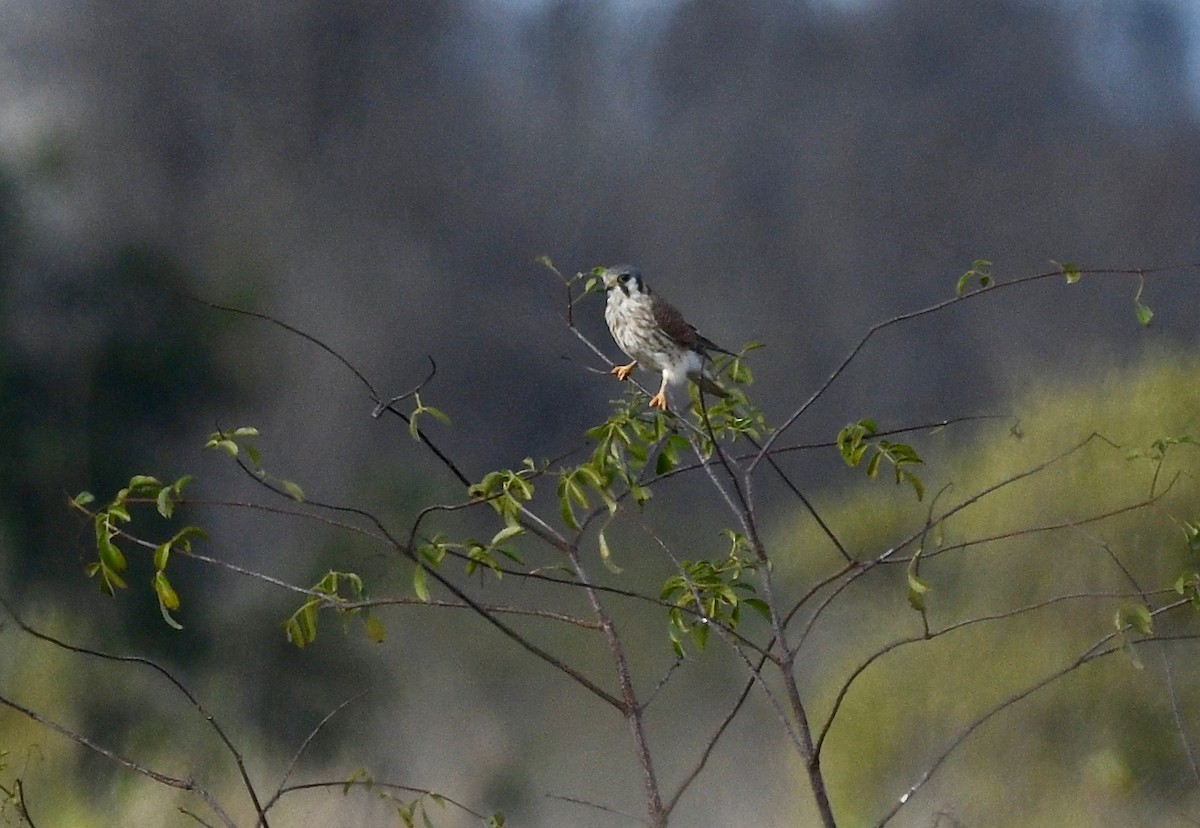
706,383
707,345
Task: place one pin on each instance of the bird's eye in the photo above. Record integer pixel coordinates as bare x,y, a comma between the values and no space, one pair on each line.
623,278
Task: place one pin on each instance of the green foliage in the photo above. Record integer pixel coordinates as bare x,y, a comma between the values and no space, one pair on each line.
1159,448
234,442
917,586
1140,310
624,443
408,810
859,441
420,410
729,417
704,592
336,590
506,490
981,271
1132,617
474,552
1188,585
1071,270
240,440
113,522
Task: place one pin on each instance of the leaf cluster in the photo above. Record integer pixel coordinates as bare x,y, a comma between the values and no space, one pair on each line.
859,441
335,590
113,521
703,592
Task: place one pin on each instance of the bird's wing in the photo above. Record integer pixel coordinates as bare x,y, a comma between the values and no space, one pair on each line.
673,324
679,330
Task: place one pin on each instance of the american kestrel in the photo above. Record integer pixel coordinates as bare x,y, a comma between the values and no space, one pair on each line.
655,335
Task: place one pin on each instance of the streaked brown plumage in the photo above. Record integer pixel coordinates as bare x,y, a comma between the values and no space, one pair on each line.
655,335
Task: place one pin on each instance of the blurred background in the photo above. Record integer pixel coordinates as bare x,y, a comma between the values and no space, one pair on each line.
384,174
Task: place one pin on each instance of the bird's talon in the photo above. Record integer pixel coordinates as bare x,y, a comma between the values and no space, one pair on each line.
623,371
659,400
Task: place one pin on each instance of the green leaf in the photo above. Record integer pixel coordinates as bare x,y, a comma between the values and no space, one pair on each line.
567,513
437,414
917,588
245,431
162,554
914,481
1072,272
253,454
1144,314
1191,530
606,556
419,586
163,502
166,616
981,270
166,593
227,446
112,557
665,462
640,494
760,606
141,482
294,491
302,626
83,498
374,629
510,531
1135,616
873,465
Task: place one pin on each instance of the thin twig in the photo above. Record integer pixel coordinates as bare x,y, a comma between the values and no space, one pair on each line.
312,734
598,807
165,673
1101,648
188,785
844,690
930,309
368,784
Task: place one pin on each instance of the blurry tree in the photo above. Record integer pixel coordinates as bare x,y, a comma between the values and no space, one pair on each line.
1095,582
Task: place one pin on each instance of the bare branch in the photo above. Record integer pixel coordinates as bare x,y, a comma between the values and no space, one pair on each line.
598,807
188,785
369,784
165,673
312,734
931,309
1101,648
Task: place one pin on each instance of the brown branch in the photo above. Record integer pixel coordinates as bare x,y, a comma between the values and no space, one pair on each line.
716,737
188,785
1099,649
312,734
930,635
165,673
935,308
499,609
369,784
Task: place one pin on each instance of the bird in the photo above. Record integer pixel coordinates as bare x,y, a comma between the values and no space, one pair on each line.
655,335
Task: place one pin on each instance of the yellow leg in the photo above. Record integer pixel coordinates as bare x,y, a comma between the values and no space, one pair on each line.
623,371
659,400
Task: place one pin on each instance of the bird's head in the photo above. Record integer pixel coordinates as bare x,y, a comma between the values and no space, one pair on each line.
625,278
